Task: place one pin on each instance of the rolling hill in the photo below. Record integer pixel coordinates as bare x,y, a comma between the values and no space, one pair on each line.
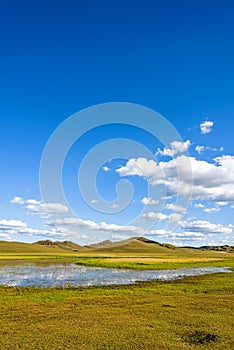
138,245
41,247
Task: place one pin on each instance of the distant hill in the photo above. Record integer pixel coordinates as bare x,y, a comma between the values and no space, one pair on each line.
135,243
40,247
223,248
104,244
132,245
66,245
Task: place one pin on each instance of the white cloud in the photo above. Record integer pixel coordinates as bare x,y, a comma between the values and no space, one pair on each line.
211,210
10,228
175,237
47,208
20,200
175,217
36,206
72,225
94,201
11,224
206,126
17,200
201,149
199,205
176,147
221,204
106,168
141,167
114,206
175,207
206,227
193,231
32,201
159,232
5,237
148,201
211,181
155,216
120,237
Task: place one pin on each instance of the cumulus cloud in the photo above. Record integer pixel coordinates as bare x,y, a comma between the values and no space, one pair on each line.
221,204
201,149
37,207
114,206
106,168
211,210
141,167
153,216
32,201
199,205
177,238
73,225
159,232
205,227
175,207
176,147
5,237
192,231
211,181
206,126
10,228
47,208
20,200
120,237
94,201
17,200
11,224
148,201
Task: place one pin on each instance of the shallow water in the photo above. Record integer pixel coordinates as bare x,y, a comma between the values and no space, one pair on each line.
61,275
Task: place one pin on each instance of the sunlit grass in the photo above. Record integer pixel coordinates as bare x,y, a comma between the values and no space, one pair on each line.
155,263
163,315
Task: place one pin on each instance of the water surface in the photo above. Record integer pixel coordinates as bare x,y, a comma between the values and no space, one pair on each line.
62,275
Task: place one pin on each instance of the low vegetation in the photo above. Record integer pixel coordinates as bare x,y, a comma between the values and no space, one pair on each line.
193,313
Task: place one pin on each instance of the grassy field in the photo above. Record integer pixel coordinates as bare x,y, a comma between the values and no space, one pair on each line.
135,254
158,263
193,313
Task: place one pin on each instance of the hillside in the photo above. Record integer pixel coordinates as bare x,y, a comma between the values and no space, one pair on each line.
66,245
135,245
38,248
223,248
140,245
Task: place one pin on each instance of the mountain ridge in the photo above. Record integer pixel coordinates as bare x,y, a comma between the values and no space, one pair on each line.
138,244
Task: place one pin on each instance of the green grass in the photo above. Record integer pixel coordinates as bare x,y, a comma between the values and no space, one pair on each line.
193,313
158,263
136,254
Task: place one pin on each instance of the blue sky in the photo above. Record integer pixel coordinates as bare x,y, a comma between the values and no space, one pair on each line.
174,57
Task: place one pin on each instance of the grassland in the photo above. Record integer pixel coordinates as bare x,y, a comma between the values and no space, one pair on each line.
134,254
193,313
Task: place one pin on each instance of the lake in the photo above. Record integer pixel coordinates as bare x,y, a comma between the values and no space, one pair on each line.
63,275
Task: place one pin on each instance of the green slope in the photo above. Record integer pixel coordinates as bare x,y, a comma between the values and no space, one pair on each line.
37,248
